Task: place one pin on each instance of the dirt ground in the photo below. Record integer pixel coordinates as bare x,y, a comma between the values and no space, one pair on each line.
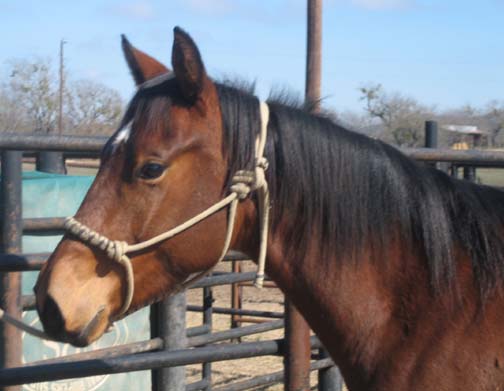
266,299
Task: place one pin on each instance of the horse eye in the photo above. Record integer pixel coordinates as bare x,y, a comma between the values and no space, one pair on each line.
151,171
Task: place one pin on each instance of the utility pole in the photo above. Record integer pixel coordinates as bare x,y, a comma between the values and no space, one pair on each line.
297,331
61,87
314,54
49,161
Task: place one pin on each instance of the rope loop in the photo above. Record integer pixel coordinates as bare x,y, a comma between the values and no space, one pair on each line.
263,163
245,181
260,173
242,183
115,249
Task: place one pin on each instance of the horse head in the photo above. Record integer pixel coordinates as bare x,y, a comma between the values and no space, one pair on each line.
165,164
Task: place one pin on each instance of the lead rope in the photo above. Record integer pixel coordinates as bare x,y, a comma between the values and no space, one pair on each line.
5,317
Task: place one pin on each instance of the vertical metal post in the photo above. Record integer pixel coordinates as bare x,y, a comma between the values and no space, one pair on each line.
10,283
313,54
329,379
470,171
297,332
298,350
154,312
52,162
236,297
169,317
431,141
431,134
431,138
454,170
207,320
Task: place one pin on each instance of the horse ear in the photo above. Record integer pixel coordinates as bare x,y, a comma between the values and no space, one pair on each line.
142,66
187,64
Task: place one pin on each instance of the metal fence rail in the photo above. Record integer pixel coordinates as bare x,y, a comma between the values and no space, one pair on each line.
30,262
473,157
35,142
138,362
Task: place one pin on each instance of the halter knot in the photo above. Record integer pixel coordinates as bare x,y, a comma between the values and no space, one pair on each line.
116,250
242,183
262,162
262,165
245,181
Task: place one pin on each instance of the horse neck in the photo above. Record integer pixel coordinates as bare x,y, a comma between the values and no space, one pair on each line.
351,306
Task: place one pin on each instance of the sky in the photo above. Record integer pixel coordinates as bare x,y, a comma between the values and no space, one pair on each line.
444,53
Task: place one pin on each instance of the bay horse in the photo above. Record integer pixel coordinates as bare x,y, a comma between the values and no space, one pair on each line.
397,267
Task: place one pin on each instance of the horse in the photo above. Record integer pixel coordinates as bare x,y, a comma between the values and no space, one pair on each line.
396,266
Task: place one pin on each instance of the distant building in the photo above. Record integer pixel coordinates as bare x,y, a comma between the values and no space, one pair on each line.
466,129
470,130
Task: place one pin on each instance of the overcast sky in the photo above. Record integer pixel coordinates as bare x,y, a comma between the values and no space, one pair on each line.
442,52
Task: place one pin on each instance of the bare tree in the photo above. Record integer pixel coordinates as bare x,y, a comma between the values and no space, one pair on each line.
494,118
360,122
403,117
12,115
93,108
29,101
32,85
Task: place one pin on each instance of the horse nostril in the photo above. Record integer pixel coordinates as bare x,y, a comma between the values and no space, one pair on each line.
51,318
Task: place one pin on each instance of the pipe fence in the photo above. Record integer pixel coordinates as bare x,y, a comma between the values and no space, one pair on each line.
172,344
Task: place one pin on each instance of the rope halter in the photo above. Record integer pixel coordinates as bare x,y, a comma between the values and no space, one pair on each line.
243,183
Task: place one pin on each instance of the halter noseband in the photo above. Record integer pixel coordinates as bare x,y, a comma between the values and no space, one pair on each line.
243,183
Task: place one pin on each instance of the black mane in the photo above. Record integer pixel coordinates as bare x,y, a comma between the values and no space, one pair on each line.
356,193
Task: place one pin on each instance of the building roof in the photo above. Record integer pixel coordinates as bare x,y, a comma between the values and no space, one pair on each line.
466,129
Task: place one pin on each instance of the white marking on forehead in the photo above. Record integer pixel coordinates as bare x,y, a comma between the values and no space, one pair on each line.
123,135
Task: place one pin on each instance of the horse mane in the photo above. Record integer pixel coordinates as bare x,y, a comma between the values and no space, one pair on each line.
352,193
355,193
